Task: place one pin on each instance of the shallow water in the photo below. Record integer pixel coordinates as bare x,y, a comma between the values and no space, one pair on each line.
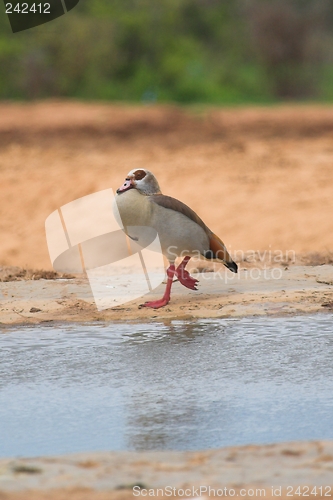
183,385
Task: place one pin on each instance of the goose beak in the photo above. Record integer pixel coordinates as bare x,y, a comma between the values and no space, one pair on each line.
128,184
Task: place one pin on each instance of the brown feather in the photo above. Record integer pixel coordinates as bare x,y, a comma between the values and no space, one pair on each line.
139,174
178,206
217,249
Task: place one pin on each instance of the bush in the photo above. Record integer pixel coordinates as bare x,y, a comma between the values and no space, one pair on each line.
220,51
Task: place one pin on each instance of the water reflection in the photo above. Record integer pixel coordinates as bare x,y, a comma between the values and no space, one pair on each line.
175,385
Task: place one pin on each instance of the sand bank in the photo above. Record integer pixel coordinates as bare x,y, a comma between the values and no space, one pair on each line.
253,291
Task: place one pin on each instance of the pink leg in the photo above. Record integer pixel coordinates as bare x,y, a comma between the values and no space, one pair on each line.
184,276
156,304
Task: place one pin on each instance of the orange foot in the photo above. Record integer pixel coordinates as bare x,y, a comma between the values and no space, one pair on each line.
186,279
156,304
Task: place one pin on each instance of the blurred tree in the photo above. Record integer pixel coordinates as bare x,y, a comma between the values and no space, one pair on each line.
219,51
285,35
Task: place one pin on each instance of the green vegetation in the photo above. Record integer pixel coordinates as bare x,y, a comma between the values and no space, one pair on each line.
210,51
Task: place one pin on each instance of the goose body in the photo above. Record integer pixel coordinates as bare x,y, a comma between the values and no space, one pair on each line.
181,231
177,233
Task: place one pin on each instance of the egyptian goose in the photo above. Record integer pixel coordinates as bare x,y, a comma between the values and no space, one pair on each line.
181,231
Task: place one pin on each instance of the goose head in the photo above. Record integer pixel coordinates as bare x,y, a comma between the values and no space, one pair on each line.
141,179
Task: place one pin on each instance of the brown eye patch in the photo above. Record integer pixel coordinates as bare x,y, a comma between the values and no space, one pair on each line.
139,174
